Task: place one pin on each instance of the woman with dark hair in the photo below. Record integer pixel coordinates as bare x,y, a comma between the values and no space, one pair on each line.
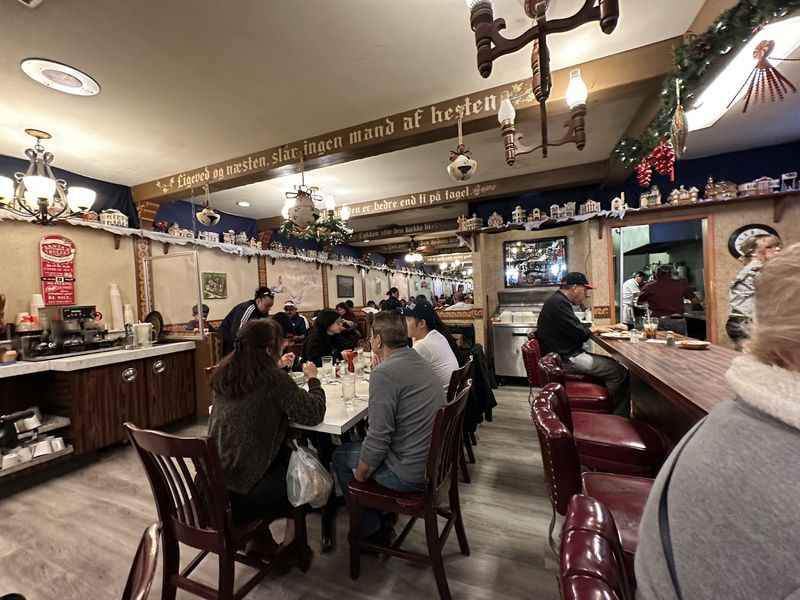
324,338
350,334
254,402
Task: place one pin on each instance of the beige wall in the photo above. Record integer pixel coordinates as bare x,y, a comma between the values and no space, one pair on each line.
333,297
97,264
377,285
242,279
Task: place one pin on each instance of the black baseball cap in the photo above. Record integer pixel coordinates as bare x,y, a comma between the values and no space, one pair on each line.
576,278
422,311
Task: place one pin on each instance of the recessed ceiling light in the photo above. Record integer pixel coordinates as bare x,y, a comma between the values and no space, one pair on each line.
60,77
366,241
243,204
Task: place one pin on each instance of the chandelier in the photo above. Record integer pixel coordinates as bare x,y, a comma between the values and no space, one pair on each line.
491,44
413,255
37,195
309,215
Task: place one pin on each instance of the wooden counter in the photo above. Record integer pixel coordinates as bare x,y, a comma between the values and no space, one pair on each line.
688,383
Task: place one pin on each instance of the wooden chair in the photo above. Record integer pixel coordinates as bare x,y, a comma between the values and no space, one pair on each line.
195,510
441,474
458,379
143,570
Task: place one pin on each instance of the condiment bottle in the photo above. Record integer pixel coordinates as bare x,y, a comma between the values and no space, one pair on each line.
670,337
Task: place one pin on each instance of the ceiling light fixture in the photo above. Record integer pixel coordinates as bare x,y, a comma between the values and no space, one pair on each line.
491,45
715,100
207,216
60,77
310,215
37,194
413,255
243,204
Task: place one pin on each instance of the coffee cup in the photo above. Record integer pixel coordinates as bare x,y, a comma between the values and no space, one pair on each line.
10,460
42,448
57,444
24,453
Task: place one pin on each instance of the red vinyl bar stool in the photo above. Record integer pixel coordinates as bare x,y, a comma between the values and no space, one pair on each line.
624,495
609,443
584,393
592,564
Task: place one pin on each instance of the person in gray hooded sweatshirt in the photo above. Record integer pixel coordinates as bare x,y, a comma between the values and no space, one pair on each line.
733,492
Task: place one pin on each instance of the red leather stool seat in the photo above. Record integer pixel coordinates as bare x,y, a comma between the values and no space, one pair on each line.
581,587
625,497
588,397
618,445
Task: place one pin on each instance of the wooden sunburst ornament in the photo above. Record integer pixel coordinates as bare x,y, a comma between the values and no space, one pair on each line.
765,76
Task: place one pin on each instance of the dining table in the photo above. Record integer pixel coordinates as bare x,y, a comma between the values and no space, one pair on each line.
340,418
672,387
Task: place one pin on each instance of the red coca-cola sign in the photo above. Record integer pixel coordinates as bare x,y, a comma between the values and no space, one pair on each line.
57,267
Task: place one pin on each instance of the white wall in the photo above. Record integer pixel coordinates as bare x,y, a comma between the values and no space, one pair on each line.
347,271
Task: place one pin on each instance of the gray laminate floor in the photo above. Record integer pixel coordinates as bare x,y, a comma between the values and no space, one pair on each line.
73,537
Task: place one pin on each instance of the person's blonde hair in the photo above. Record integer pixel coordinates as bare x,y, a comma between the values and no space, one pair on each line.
751,245
776,331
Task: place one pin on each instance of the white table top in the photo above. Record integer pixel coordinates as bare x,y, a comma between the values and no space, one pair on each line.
338,419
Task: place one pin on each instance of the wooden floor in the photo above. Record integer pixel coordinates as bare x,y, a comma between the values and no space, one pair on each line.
73,537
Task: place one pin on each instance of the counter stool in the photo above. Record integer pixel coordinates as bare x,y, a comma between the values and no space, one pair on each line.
609,443
592,564
584,394
624,495
440,499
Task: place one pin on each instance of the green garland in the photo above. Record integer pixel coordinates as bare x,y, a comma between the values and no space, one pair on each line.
693,59
332,230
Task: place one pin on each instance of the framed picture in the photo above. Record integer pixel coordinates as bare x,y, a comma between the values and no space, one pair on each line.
345,286
215,286
535,263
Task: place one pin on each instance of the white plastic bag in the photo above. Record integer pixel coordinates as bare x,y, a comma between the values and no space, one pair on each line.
307,481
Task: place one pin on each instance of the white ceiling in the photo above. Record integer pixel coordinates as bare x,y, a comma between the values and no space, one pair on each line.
191,82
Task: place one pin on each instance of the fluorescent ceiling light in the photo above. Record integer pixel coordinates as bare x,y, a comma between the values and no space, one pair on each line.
243,204
60,77
714,101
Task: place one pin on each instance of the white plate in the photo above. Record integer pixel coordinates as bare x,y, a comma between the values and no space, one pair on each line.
616,335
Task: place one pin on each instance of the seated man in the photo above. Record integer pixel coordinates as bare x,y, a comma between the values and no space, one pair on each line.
559,330
404,395
194,324
430,344
297,322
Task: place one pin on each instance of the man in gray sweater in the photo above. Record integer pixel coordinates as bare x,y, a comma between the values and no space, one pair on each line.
404,395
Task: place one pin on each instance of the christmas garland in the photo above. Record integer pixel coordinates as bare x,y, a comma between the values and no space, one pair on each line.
694,59
330,230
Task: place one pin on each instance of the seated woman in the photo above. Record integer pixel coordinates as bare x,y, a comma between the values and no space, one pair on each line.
254,401
350,334
731,482
324,338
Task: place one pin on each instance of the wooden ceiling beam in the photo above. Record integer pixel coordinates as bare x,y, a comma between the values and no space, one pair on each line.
609,78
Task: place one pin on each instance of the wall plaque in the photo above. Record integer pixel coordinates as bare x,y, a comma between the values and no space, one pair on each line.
57,269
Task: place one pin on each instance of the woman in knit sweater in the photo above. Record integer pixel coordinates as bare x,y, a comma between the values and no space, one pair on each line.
254,402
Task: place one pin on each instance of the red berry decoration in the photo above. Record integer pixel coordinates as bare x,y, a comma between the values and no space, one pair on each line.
663,159
644,173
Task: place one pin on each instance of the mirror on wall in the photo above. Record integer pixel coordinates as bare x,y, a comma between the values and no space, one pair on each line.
535,263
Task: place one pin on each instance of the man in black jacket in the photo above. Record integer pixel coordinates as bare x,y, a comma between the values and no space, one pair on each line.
559,330
257,308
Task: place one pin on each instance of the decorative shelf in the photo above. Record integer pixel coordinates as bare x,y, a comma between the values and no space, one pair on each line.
40,460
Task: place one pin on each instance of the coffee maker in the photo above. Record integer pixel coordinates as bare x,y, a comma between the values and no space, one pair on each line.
66,330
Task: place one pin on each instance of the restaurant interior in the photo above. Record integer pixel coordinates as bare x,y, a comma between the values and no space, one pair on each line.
577,198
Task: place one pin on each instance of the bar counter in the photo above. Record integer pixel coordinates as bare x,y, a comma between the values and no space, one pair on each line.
671,387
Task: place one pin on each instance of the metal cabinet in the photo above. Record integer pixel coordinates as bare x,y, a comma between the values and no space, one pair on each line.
507,340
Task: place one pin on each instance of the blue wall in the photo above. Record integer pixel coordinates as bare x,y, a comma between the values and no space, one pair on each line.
182,213
109,195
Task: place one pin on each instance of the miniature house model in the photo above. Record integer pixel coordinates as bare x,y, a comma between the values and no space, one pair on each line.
518,216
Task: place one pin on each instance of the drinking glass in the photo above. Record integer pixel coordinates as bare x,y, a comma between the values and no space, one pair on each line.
650,328
348,391
327,369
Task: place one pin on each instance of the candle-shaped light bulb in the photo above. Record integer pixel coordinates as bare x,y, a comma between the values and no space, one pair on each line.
577,92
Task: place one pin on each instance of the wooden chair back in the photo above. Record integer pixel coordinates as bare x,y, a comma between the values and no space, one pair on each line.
188,484
143,569
446,441
458,380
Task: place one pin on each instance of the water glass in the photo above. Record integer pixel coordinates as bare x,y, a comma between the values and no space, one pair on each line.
326,372
634,336
348,391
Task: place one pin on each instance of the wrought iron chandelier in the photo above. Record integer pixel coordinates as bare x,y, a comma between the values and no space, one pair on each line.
414,256
491,44
309,215
37,195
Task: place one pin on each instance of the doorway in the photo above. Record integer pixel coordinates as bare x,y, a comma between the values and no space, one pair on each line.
674,247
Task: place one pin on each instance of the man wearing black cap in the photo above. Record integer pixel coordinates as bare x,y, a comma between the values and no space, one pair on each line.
257,308
392,303
429,343
559,330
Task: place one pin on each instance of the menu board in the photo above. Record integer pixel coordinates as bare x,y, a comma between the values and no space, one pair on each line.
57,267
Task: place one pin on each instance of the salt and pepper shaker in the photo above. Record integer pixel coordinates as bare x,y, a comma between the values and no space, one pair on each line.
670,338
